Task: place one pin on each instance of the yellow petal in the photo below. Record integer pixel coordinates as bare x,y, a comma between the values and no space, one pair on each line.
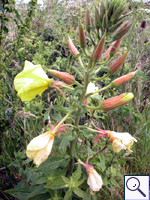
31,81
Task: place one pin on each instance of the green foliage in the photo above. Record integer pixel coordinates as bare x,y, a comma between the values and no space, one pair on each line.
42,37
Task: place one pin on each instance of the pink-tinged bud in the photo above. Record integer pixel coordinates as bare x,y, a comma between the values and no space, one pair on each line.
115,47
107,53
116,65
99,49
72,48
117,101
123,79
88,20
63,76
122,31
82,39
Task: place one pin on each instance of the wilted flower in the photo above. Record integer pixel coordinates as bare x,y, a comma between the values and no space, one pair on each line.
40,147
90,88
94,179
31,81
117,101
143,24
121,141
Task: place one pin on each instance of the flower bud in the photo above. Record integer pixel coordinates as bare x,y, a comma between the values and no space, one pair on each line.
122,31
97,19
105,21
143,24
116,65
115,26
72,48
123,79
82,39
107,53
115,47
88,20
99,49
64,76
117,101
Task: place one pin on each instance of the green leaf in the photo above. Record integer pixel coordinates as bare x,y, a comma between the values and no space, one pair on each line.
43,196
77,90
63,109
41,180
68,194
67,138
77,174
113,181
78,183
56,117
66,180
51,164
80,193
83,111
27,192
55,184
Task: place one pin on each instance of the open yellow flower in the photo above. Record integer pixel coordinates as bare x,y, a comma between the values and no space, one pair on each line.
121,141
31,81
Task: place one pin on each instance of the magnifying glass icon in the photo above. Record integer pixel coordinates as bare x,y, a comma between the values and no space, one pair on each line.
133,184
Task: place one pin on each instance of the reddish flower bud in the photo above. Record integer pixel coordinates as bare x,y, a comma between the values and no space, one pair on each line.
123,79
64,76
99,49
122,31
115,47
88,20
72,48
82,39
114,67
117,101
107,53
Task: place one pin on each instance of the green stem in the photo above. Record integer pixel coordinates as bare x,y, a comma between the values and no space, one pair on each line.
57,126
99,79
86,54
94,108
69,88
77,83
91,39
104,88
81,63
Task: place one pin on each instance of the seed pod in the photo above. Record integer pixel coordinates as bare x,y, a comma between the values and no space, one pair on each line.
82,39
88,20
114,67
99,49
73,49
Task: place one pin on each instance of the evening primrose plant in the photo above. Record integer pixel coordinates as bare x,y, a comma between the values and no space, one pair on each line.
60,168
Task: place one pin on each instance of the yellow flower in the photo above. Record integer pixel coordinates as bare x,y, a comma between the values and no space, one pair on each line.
121,141
40,147
31,81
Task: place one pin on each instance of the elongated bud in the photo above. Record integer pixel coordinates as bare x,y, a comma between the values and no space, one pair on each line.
63,76
88,20
72,48
97,19
107,53
114,67
117,101
115,26
82,39
123,79
105,21
102,11
99,49
121,31
115,47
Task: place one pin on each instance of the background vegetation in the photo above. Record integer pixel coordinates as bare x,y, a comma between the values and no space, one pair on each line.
40,35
